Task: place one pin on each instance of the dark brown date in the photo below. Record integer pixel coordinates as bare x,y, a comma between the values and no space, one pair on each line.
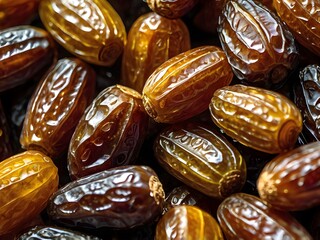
122,197
6,148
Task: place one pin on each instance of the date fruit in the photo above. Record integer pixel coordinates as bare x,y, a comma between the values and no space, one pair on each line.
123,197
27,181
90,29
24,52
6,146
201,158
258,118
259,47
187,222
182,87
152,40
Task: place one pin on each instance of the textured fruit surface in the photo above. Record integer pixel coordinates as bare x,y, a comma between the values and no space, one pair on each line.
90,29
27,180
259,47
188,222
152,40
109,134
201,158
182,87
243,216
24,51
261,119
291,181
302,17
57,106
121,197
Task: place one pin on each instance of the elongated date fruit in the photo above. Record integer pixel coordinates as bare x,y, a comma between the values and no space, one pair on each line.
121,198
259,47
244,216
187,222
57,106
182,87
302,17
24,52
90,29
171,9
27,181
291,181
152,40
258,118
109,134
201,158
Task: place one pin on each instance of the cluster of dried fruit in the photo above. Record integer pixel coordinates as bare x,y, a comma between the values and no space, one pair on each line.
201,123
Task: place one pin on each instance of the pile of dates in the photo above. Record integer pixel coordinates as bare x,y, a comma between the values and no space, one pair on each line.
157,119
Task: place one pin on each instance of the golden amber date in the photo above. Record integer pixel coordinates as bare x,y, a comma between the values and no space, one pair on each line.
258,118
90,29
109,134
291,181
182,87
24,51
187,222
302,17
152,40
27,180
259,47
243,216
171,9
122,197
201,158
57,106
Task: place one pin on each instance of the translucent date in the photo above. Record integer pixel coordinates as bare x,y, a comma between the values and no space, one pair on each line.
258,118
259,47
182,87
171,9
27,180
109,134
291,181
90,29
152,40
187,222
243,216
121,198
57,106
201,158
24,52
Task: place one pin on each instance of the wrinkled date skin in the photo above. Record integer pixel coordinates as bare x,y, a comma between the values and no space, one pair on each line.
49,233
201,158
152,40
258,118
27,181
291,181
24,51
171,9
90,29
259,47
6,148
243,216
182,87
17,12
307,98
187,222
121,198
109,134
302,17
57,106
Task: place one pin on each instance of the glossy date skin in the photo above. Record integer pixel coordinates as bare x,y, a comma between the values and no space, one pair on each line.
24,52
57,105
120,198
152,40
259,47
109,134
